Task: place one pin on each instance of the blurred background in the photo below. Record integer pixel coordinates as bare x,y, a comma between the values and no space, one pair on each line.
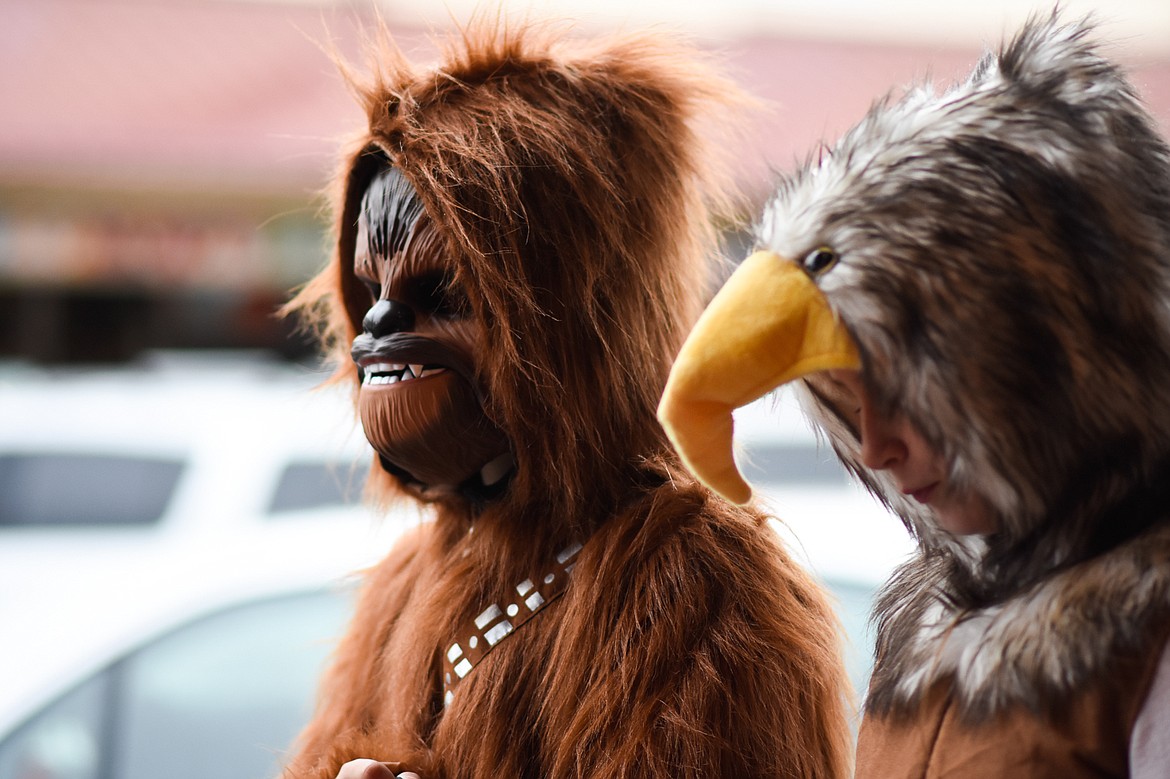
160,161
178,509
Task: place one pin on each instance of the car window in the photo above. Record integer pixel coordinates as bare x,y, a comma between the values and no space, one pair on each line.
316,484
49,489
221,697
795,463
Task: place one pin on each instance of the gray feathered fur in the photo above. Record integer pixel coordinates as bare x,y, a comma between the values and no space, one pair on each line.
1005,272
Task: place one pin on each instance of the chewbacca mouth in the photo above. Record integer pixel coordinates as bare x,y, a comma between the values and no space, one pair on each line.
392,373
403,357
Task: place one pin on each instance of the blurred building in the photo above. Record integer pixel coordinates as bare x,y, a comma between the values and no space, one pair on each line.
161,160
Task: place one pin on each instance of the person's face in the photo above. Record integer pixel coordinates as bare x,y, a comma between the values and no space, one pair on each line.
893,444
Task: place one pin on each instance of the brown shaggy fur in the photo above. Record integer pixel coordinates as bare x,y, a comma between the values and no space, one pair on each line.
576,197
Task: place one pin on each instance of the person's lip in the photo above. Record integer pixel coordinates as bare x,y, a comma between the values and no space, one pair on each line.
922,494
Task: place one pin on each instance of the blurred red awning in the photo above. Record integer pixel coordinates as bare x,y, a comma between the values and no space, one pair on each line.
235,96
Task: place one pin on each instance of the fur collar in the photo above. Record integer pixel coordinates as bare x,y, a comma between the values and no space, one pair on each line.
1034,649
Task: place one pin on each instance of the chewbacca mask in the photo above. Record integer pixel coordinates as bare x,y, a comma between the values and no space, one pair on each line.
417,353
997,261
522,238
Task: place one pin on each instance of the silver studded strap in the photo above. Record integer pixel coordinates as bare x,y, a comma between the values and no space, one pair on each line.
494,623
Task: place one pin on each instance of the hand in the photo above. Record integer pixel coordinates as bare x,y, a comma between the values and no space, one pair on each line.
371,769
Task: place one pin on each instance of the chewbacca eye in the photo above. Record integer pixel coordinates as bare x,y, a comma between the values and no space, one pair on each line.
375,290
438,294
819,260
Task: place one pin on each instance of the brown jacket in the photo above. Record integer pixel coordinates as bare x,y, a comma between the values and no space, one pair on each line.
1089,736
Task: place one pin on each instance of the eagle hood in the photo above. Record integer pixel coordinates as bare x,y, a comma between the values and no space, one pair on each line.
1005,274
999,257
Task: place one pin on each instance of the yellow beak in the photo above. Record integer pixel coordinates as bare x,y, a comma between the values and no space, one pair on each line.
768,325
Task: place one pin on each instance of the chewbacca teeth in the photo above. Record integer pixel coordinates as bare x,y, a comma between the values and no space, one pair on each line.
391,373
377,368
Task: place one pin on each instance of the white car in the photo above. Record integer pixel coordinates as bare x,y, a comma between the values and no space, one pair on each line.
177,626
129,496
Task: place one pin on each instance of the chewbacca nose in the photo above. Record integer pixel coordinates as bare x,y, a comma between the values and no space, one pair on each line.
386,317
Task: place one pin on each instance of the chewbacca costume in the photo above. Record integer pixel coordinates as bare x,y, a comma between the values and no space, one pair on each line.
580,606
996,261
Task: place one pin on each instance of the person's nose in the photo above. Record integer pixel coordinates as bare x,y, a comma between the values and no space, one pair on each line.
882,444
388,316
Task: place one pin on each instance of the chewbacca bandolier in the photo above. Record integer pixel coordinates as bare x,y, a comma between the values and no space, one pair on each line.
995,261
522,237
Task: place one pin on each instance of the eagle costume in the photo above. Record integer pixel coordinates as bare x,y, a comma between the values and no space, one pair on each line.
522,241
995,261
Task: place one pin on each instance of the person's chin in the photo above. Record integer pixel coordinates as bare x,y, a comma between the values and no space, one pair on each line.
961,520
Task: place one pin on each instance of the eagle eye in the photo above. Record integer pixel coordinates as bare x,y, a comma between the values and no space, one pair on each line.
819,260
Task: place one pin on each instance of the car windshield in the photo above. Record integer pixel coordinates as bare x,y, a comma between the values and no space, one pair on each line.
222,696
311,484
104,489
791,463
